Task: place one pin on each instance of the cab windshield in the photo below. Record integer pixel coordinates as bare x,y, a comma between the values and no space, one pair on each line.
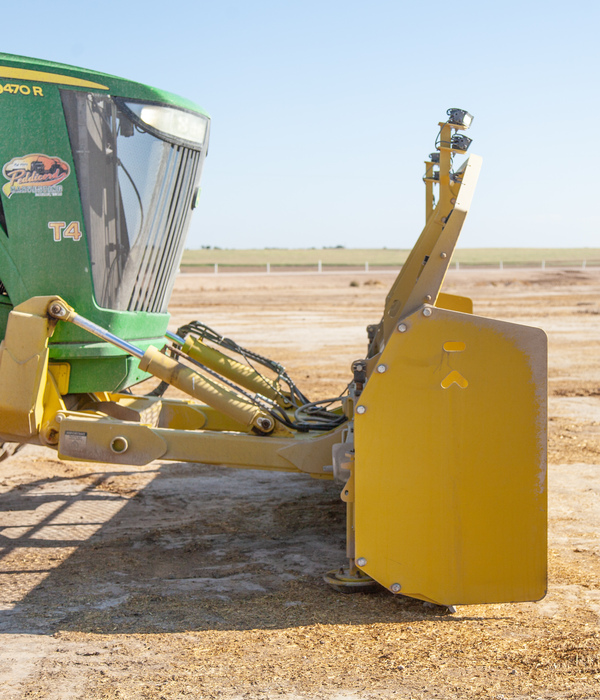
137,187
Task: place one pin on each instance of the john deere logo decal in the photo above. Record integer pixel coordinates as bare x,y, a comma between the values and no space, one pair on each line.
36,174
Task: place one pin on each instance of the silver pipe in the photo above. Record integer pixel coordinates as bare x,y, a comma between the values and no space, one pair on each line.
174,337
103,334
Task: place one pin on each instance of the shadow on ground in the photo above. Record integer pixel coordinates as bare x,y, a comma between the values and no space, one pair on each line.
193,548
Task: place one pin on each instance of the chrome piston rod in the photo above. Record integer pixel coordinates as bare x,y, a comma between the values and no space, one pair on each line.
58,311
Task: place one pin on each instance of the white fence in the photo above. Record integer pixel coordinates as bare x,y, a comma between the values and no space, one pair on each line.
339,269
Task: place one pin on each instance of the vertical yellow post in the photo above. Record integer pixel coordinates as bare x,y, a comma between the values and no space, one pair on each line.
428,179
444,205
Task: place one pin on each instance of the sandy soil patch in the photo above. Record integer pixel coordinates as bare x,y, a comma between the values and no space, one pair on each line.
188,581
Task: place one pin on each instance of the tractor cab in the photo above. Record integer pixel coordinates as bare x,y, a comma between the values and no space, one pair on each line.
99,179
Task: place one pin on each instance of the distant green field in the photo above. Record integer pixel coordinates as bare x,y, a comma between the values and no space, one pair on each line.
353,257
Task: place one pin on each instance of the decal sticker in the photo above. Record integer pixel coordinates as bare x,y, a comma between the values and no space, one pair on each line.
43,77
36,174
14,89
61,230
74,440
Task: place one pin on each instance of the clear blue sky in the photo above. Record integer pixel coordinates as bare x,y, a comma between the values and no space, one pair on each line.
324,110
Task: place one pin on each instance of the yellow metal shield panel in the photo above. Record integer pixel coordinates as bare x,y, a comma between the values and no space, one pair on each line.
450,473
453,302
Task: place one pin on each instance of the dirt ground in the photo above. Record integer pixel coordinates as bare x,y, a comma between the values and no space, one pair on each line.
187,581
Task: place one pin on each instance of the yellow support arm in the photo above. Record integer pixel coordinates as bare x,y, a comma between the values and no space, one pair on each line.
24,369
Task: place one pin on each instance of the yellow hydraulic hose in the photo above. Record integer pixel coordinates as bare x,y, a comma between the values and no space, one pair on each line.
203,389
231,369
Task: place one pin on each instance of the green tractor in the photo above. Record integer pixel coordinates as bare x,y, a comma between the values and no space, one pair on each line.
100,178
